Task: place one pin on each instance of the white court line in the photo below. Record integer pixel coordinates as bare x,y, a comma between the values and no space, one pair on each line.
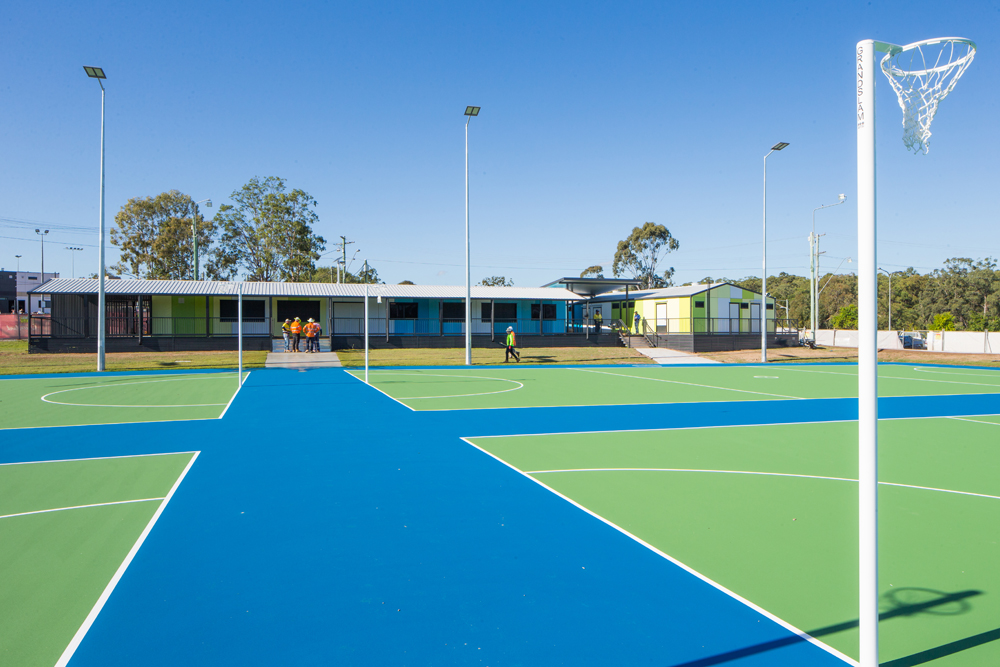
760,610
894,377
975,421
151,421
753,472
45,398
240,386
438,375
690,384
78,507
935,371
92,616
96,458
351,374
693,428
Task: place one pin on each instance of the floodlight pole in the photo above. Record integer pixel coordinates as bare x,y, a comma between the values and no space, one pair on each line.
239,334
366,321
468,270
763,284
867,358
889,273
101,315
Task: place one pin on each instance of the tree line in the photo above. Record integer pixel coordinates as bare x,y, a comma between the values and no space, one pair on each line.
265,234
964,295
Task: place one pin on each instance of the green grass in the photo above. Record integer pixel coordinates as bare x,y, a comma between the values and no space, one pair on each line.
96,399
15,360
492,356
520,386
55,565
789,544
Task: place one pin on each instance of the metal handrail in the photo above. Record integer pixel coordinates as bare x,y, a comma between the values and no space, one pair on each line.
649,334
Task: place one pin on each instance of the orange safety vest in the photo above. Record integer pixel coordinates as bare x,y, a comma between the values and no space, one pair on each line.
311,328
296,327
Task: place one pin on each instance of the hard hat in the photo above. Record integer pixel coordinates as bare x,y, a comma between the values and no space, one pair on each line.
510,328
288,320
310,319
297,319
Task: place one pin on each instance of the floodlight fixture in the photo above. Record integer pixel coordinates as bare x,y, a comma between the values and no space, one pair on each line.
841,197
780,145
472,111
94,72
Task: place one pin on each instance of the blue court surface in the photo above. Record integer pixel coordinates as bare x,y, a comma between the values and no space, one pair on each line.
323,522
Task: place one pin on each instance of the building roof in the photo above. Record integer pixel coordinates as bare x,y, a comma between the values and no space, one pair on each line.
591,286
665,293
345,290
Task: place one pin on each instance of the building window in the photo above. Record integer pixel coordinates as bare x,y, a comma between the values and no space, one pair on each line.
32,277
744,306
453,311
504,311
402,311
547,310
253,311
770,306
699,304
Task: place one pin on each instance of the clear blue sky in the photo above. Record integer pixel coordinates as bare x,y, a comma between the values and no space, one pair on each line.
595,118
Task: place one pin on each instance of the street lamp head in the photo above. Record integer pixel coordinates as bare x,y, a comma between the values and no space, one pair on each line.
94,72
779,146
209,203
841,197
471,111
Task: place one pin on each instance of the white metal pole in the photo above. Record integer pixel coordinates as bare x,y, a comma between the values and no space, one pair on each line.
366,321
239,335
101,325
468,271
867,359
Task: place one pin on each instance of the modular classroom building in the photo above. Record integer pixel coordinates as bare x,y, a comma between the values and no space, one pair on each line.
202,315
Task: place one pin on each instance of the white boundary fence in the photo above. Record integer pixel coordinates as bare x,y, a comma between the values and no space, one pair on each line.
961,342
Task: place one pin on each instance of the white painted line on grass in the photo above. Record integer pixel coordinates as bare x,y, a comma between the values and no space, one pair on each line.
77,507
924,369
788,626
690,384
92,616
351,374
96,458
975,421
895,377
45,398
438,375
235,394
753,472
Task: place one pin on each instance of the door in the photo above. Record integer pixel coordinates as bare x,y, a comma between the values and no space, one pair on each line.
754,318
734,317
661,318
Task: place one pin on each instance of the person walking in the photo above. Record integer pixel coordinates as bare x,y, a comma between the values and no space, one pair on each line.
511,342
286,333
296,329
638,321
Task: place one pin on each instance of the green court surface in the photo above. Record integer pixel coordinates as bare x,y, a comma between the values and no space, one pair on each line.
67,530
484,388
770,514
74,401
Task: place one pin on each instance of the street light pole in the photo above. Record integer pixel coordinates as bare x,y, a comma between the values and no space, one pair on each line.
18,263
194,232
469,113
763,278
98,73
814,268
72,262
889,273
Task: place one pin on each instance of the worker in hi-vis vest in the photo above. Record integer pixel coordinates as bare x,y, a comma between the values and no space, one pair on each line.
511,342
296,333
286,333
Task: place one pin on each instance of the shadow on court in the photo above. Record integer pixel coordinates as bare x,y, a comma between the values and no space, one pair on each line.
902,602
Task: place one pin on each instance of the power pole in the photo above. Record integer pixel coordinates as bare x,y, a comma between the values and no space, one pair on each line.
343,249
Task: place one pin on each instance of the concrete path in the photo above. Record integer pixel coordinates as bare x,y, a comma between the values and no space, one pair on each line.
302,360
662,355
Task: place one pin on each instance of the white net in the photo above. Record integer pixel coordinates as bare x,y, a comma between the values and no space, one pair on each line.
922,74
